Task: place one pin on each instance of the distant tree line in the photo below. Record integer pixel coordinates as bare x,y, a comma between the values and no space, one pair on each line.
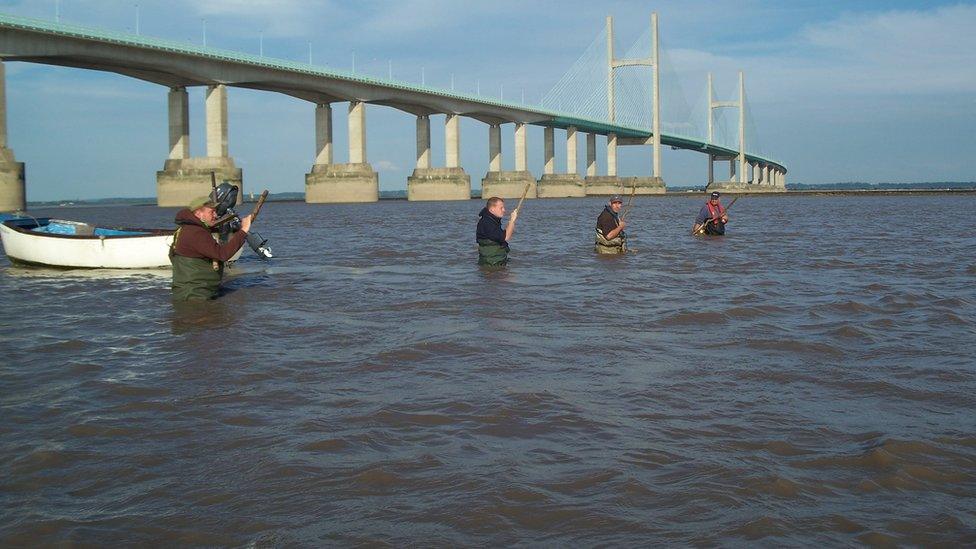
402,194
862,186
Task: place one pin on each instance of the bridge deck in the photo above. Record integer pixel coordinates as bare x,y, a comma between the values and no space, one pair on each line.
176,64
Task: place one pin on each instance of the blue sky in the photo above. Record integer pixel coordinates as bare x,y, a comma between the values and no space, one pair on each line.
838,91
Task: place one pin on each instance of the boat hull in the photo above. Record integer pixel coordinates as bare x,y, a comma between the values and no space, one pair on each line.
144,251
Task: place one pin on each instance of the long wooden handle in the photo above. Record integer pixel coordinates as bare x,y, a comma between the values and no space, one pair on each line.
257,207
525,191
630,202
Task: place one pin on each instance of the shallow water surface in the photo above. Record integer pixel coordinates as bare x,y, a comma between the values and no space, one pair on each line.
808,379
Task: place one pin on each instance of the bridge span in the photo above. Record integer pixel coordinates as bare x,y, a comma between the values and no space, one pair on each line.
179,66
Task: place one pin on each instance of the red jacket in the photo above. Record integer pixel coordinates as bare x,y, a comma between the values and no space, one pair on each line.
194,239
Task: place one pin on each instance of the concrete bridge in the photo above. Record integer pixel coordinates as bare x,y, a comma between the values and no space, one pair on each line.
178,66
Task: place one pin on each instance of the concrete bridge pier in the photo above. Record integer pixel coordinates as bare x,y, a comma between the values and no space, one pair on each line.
561,185
448,183
354,181
183,178
12,188
591,167
603,185
711,170
732,184
643,185
507,184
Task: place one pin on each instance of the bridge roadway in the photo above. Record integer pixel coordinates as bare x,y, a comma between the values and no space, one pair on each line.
179,65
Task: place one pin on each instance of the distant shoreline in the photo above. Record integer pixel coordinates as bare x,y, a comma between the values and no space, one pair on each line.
402,195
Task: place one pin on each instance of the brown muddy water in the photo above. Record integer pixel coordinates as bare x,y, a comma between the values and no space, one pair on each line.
810,379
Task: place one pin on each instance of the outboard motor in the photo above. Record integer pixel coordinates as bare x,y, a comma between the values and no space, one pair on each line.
225,197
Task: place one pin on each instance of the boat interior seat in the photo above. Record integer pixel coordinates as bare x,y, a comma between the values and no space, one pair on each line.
84,229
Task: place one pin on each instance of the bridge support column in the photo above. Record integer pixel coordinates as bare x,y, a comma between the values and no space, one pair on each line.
449,183
612,155
183,178
501,183
179,124
521,148
341,183
495,148
428,183
590,155
711,170
603,185
12,187
323,133
563,185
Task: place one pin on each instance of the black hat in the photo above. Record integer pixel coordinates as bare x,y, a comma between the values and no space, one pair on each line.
616,198
715,194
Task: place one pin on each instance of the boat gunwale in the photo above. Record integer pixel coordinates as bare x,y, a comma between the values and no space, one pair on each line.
152,232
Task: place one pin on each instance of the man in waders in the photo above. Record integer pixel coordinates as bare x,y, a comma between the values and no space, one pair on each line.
197,258
492,239
610,235
712,218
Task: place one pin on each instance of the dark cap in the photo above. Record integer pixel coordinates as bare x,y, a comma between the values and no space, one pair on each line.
616,198
715,194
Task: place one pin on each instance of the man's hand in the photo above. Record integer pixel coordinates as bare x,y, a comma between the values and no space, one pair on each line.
246,223
514,216
622,225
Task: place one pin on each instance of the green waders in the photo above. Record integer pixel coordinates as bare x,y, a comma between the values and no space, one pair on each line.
616,245
491,253
195,278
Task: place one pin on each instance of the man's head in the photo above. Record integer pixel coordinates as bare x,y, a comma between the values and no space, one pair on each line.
616,203
714,197
496,206
204,210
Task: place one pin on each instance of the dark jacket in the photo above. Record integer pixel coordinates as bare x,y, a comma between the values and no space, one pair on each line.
608,221
490,228
492,247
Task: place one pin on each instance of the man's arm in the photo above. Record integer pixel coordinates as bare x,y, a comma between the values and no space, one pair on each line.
510,230
700,220
206,246
614,232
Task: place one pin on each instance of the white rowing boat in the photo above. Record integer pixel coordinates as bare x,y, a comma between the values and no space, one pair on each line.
72,244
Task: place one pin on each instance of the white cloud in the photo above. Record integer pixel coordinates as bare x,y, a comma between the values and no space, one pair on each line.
386,166
899,51
421,16
281,18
